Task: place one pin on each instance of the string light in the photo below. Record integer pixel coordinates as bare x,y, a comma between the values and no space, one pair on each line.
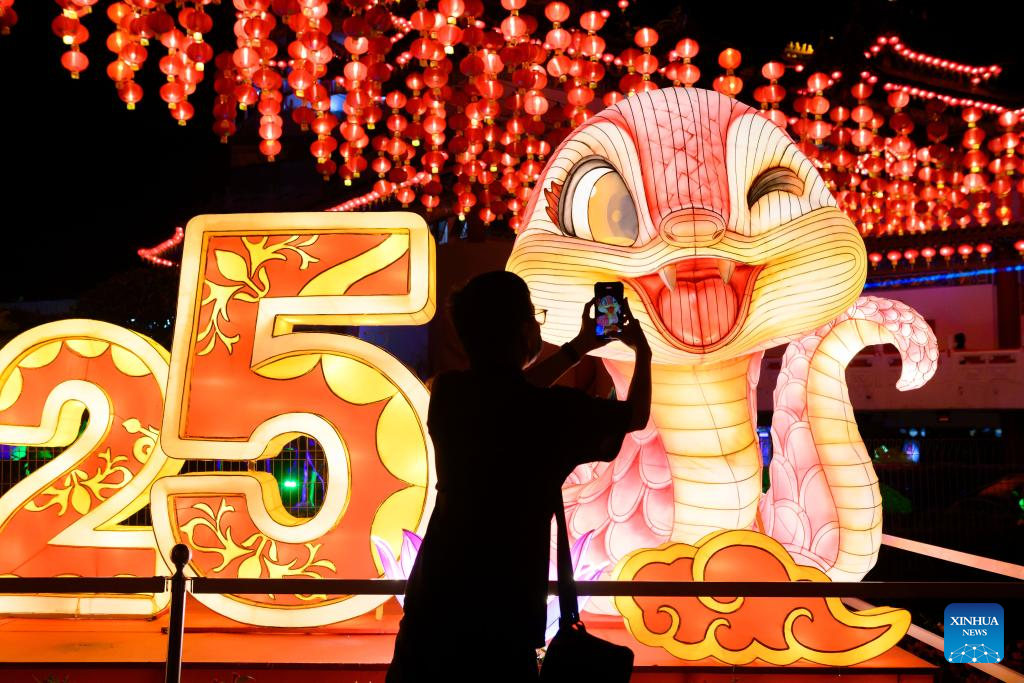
925,94
155,254
372,196
976,73
941,277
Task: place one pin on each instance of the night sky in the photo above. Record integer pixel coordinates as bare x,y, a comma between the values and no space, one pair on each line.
87,182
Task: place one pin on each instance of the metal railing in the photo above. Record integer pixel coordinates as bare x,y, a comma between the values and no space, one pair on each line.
180,556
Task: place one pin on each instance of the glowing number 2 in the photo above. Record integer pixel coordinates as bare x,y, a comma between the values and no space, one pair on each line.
63,518
243,383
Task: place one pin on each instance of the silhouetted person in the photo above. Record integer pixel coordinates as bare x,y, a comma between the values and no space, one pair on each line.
959,341
504,442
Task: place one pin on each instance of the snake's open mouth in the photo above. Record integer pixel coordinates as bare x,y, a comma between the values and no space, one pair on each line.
698,301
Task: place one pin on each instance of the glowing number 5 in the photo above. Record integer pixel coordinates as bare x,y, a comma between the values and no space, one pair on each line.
243,383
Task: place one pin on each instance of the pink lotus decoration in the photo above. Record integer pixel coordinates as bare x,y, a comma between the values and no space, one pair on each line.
400,567
395,568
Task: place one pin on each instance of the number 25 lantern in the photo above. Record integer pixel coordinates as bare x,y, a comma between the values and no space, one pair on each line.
242,382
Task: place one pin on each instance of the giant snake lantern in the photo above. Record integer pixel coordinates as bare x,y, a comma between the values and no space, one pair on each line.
727,242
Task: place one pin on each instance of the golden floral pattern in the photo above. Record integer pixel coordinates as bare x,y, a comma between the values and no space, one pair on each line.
250,283
83,491
259,551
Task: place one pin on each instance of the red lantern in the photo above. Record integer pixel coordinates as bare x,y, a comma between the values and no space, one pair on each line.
513,28
1019,246
119,71
898,99
592,21
130,93
817,82
270,127
894,257
322,148
580,96
8,17
773,70
928,253
134,54
75,62
405,195
556,12
984,249
225,128
689,74
729,58
946,252
270,149
728,85
65,28
646,38
300,80
172,93
875,258
965,251
592,46
558,39
183,112
535,104
687,48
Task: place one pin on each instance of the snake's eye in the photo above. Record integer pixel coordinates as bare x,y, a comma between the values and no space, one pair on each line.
596,205
775,179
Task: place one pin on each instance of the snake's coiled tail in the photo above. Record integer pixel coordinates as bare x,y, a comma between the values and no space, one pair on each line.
824,503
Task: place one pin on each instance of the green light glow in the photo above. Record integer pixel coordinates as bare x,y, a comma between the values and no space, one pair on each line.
290,484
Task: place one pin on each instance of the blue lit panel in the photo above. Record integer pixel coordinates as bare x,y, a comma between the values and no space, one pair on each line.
941,277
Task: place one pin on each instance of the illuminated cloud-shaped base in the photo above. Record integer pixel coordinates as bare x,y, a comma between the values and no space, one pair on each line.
740,630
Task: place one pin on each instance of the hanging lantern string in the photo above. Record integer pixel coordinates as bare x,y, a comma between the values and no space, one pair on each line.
437,99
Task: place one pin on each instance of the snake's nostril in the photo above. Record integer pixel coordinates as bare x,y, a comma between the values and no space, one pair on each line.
693,226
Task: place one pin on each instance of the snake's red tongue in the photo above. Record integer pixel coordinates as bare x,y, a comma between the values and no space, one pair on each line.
699,313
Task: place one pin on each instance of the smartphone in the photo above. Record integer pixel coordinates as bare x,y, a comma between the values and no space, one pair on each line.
609,311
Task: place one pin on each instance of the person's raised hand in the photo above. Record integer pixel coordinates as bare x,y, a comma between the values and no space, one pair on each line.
632,333
587,339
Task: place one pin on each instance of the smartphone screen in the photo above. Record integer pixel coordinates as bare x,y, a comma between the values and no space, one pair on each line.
608,312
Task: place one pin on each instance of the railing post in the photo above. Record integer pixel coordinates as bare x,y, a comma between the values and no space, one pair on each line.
180,555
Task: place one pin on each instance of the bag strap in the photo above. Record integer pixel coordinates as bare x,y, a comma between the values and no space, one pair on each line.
568,602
